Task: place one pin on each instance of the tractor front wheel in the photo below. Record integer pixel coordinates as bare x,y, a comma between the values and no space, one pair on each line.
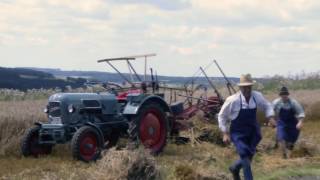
149,128
30,144
86,144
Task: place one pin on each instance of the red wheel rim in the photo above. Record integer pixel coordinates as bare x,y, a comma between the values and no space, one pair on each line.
152,130
88,146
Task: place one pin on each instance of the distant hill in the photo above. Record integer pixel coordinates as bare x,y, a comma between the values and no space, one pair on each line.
114,77
23,79
36,78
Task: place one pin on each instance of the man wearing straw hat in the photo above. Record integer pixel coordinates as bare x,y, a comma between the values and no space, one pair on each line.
238,122
290,115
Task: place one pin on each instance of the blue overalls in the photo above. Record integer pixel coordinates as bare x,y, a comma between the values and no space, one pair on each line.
245,135
286,126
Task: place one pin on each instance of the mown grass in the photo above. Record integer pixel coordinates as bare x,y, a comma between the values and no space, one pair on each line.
297,172
53,167
195,160
206,160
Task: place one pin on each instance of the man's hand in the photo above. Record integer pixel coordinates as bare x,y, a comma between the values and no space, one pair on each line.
272,122
226,138
299,125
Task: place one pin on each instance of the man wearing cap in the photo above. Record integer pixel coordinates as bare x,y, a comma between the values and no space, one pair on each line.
238,122
290,115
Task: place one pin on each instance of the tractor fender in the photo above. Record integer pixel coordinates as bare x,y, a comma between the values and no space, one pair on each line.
133,108
98,129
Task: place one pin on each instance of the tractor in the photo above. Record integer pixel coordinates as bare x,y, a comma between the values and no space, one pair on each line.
91,122
95,121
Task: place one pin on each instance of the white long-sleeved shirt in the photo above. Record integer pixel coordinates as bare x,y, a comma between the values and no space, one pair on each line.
231,108
278,104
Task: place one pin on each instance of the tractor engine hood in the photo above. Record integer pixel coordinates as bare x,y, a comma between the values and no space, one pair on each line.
106,101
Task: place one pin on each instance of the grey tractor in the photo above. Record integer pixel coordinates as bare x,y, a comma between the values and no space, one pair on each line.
91,122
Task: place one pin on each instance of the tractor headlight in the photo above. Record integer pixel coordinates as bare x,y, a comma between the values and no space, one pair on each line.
46,110
71,108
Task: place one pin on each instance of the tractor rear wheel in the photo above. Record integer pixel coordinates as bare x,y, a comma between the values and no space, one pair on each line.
30,144
86,144
149,127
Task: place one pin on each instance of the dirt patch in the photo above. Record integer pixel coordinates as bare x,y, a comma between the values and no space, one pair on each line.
304,150
304,178
267,146
186,172
142,168
212,136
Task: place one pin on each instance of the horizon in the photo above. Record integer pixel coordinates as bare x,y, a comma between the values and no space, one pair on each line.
264,38
299,74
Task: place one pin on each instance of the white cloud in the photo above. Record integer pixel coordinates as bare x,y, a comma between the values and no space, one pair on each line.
73,34
182,50
161,4
79,5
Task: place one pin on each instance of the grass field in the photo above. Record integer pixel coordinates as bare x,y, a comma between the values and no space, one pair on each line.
195,160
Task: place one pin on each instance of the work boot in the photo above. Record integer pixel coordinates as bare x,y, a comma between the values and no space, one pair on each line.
235,173
284,155
275,146
289,154
284,150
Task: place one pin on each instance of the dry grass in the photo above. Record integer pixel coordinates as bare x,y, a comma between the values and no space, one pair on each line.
121,164
195,160
124,164
15,118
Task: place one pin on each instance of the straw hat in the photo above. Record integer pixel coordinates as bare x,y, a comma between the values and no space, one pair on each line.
246,80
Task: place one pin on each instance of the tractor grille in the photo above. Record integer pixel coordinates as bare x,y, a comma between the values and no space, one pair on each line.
54,109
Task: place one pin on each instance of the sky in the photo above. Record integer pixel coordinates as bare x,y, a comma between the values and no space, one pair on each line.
261,37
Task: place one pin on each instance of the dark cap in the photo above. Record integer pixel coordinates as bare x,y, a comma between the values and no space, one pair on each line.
284,91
